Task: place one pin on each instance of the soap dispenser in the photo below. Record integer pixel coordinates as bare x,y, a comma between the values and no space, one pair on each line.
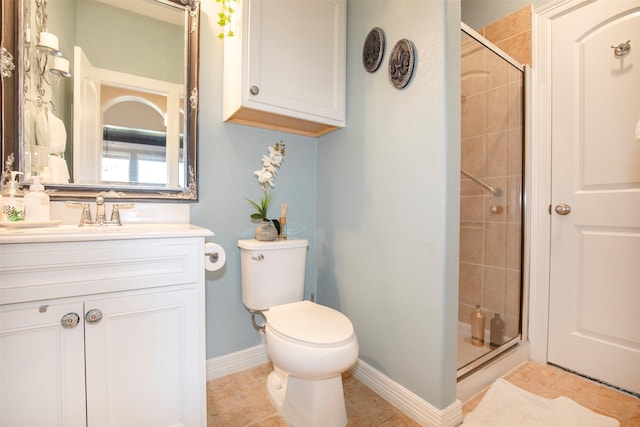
496,331
477,327
13,200
37,203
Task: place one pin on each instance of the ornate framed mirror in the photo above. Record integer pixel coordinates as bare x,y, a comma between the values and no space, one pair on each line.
92,106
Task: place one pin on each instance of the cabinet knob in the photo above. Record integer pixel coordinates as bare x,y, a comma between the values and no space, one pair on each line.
93,316
254,90
70,320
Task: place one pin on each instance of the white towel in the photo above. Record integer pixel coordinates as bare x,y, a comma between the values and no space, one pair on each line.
638,131
50,131
505,405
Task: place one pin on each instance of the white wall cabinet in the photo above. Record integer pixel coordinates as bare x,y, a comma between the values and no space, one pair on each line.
128,350
285,68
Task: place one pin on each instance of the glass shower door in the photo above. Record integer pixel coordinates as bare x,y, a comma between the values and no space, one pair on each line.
491,198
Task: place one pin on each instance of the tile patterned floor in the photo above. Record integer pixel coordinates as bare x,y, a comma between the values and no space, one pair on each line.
241,399
551,382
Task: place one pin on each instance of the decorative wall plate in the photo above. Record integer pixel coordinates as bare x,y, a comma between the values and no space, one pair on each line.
401,62
373,50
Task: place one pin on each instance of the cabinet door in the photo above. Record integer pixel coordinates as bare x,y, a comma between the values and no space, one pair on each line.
41,365
297,58
145,366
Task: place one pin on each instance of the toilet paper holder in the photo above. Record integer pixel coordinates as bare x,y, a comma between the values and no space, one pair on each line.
213,256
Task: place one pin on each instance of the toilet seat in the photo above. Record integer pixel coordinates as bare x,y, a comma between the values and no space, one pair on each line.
310,323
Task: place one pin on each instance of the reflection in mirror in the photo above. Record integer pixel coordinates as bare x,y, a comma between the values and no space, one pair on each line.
107,107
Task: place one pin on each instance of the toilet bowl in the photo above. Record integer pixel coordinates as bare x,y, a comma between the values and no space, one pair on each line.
309,340
310,346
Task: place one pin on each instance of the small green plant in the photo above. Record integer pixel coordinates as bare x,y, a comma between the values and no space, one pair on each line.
13,214
225,17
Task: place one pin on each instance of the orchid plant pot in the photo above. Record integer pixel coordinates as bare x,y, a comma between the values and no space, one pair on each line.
266,231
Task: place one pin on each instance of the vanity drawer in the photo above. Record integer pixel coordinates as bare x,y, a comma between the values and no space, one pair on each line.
37,271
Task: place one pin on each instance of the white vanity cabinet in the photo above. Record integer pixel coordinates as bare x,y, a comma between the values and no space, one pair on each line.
103,332
285,67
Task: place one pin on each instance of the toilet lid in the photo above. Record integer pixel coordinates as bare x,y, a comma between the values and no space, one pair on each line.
310,322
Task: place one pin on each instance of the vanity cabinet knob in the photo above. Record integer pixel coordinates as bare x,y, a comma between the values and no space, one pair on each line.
93,316
70,320
254,90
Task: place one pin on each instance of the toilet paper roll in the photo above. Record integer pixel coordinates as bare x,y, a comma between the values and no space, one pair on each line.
214,257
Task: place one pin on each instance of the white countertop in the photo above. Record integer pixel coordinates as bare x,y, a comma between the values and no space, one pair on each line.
73,233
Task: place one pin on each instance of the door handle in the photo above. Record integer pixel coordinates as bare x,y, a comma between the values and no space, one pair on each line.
563,209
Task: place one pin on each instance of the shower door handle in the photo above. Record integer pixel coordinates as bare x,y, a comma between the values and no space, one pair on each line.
563,209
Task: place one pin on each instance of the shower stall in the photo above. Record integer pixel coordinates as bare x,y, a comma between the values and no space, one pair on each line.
491,200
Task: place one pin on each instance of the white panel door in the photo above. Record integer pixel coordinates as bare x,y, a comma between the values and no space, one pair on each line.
144,361
87,120
41,365
594,311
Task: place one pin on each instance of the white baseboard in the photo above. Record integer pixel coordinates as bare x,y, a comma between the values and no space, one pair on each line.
409,403
236,362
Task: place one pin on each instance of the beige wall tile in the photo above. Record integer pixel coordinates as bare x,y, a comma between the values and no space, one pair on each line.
471,243
516,109
497,154
515,151
494,289
495,244
517,22
473,115
473,73
497,69
473,153
518,47
470,284
471,208
497,109
512,297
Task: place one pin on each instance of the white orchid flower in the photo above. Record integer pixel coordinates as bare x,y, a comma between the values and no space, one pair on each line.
266,178
276,156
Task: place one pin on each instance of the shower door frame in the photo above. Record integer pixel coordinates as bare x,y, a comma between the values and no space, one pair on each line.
522,337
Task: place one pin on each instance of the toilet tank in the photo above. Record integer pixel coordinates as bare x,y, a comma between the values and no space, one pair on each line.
272,272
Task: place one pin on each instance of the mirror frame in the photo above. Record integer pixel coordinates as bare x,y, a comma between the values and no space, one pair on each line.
11,128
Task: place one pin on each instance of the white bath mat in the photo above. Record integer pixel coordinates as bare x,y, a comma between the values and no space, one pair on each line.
505,405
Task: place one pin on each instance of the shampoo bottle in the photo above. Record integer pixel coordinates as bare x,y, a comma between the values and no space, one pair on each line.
477,327
496,334
37,203
12,200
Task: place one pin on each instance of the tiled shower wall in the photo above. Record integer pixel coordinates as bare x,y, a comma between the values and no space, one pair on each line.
491,226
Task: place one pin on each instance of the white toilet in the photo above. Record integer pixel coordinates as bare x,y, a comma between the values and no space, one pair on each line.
310,345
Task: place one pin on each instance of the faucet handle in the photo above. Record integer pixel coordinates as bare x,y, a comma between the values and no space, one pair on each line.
115,212
85,216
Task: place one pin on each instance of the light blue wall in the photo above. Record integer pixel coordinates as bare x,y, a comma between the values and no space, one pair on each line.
381,195
228,156
388,199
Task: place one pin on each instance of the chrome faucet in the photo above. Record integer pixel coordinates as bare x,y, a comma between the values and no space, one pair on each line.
101,217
